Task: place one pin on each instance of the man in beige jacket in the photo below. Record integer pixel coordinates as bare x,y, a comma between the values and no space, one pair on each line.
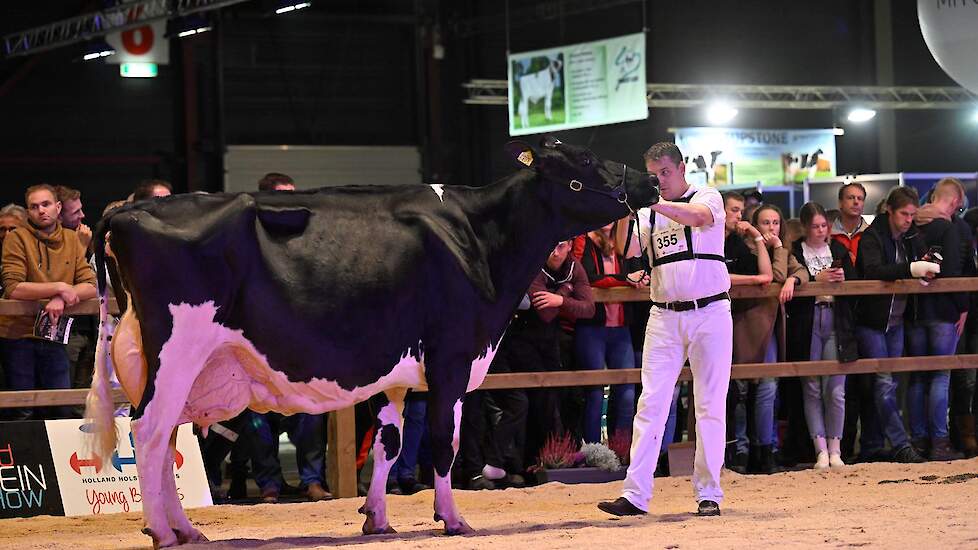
41,261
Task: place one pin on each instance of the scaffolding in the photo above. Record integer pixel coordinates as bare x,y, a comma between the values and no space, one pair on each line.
121,17
495,92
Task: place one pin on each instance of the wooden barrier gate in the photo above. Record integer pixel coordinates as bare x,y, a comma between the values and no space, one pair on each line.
341,451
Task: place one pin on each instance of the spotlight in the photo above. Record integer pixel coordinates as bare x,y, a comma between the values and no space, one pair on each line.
974,116
96,49
720,112
860,114
286,6
189,26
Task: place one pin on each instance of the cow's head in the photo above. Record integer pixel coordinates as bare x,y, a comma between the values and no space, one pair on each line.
586,192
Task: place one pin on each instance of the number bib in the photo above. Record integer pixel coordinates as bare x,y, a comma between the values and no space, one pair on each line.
669,240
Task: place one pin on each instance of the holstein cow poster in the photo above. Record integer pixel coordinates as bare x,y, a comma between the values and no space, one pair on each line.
314,301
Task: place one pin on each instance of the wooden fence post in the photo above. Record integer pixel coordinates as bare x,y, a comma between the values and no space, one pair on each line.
341,453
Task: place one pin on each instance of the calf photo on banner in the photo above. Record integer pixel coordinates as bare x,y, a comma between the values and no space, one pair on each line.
578,85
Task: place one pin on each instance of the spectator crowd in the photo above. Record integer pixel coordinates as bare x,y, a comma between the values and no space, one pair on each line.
772,423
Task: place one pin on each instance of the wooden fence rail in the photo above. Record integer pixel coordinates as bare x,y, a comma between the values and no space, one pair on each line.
340,426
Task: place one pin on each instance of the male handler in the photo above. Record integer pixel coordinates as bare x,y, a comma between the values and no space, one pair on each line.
690,318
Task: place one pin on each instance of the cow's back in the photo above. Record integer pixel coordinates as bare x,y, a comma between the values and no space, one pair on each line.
339,283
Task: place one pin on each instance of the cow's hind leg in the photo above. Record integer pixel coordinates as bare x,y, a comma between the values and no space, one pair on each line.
387,447
179,524
152,437
444,420
152,434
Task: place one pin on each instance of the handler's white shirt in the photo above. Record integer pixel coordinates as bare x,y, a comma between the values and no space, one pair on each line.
689,279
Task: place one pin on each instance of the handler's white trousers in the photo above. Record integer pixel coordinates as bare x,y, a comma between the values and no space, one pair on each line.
706,337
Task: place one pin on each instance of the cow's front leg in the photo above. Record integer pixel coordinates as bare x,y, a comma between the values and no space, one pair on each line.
387,447
444,420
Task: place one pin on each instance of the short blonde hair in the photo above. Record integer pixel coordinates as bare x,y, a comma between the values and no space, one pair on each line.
945,186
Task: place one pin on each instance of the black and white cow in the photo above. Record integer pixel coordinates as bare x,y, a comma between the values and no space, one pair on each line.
313,301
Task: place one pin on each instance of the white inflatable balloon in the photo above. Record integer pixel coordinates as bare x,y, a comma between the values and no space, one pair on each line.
950,29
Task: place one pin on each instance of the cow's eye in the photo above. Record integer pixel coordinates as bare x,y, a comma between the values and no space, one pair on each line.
586,161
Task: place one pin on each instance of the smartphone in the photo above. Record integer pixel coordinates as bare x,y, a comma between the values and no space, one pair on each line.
934,254
836,263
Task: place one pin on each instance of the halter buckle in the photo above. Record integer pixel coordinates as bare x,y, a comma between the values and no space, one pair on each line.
576,185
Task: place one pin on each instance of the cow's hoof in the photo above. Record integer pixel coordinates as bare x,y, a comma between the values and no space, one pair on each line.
194,536
370,527
161,542
461,529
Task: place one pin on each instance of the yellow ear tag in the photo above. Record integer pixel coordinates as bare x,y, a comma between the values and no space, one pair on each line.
526,157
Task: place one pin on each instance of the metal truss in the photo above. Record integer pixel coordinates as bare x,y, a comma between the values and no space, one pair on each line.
494,92
124,16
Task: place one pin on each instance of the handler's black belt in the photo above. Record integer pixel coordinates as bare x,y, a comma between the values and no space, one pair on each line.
692,304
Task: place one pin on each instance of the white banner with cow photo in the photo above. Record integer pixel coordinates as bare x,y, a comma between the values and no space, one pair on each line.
746,156
579,85
93,485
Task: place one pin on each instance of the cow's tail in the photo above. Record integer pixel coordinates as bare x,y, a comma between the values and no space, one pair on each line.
99,405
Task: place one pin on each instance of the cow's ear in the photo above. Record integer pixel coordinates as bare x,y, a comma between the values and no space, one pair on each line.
522,153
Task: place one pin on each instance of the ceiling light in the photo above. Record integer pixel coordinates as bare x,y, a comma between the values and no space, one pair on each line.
189,26
720,112
860,114
96,49
290,5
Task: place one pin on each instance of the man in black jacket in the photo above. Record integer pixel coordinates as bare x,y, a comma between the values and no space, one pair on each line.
890,249
939,323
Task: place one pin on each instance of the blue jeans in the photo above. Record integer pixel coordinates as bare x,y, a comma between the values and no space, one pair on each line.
31,364
765,393
597,347
306,433
875,344
415,411
824,396
927,395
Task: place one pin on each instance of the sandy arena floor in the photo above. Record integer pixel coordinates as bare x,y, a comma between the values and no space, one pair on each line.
875,505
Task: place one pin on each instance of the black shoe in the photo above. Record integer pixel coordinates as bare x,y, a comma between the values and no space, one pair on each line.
765,460
907,455
238,489
708,508
662,466
409,486
921,445
480,482
620,507
739,463
512,480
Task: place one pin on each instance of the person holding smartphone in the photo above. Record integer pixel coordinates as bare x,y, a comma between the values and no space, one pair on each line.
892,248
937,326
821,328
